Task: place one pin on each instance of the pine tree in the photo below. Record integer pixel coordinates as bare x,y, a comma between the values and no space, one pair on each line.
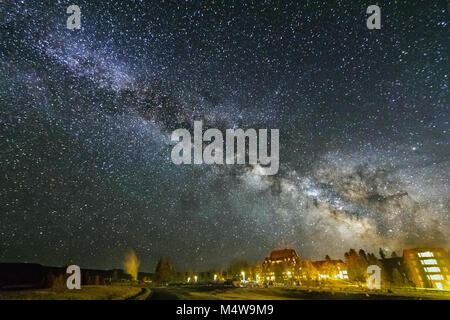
164,271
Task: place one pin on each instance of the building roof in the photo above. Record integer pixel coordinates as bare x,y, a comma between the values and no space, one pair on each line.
283,253
432,249
321,263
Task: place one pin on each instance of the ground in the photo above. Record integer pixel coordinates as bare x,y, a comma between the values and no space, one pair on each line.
112,292
143,292
214,293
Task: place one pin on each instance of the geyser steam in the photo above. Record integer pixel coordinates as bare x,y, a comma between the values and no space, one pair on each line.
131,264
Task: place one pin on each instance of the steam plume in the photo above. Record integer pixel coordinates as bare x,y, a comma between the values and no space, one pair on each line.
131,264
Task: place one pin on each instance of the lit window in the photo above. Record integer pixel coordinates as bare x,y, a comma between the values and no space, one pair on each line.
432,269
429,261
435,277
427,254
439,286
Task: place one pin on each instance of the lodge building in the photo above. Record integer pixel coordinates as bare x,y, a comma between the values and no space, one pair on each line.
285,264
281,263
419,267
428,267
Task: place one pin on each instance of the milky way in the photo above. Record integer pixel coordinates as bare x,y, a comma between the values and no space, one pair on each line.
86,117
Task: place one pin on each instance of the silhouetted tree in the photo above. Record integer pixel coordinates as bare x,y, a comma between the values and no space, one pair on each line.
397,278
164,271
239,265
363,255
308,270
382,255
356,266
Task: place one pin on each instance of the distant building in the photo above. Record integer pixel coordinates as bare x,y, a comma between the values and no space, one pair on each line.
281,265
428,267
331,270
286,265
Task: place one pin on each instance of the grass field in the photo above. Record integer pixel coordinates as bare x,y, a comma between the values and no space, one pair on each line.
112,292
211,293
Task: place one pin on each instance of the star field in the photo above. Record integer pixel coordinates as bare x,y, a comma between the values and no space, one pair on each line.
86,117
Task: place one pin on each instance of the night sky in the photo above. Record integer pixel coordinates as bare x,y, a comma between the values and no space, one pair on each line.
86,117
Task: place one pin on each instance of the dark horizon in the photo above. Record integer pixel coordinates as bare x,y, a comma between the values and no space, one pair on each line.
225,267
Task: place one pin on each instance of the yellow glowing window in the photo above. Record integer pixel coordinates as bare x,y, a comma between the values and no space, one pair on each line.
435,277
439,286
432,269
429,261
427,254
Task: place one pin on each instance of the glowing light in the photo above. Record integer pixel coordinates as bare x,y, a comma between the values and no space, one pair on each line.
342,275
439,286
243,275
195,278
426,254
429,261
435,277
215,277
432,269
189,279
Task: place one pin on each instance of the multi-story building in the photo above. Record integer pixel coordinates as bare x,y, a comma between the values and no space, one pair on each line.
330,270
286,265
281,265
428,267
